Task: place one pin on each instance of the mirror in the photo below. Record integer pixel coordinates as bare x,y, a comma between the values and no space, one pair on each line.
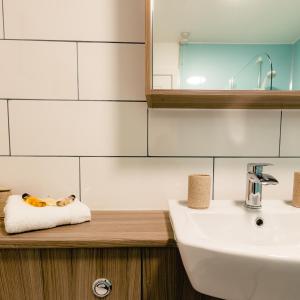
226,45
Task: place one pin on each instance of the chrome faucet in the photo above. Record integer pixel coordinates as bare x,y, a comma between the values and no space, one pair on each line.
255,180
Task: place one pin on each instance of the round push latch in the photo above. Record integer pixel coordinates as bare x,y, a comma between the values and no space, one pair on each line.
102,287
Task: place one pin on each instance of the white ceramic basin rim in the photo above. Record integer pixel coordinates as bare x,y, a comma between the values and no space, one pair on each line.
229,227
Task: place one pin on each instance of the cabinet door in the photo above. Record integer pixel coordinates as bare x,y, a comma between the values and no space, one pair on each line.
20,275
164,277
68,274
121,266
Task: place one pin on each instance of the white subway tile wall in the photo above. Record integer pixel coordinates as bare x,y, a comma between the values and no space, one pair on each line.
44,176
78,128
4,138
82,20
214,132
290,133
111,71
95,137
39,70
137,183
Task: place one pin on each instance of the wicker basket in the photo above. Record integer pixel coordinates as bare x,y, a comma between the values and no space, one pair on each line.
4,194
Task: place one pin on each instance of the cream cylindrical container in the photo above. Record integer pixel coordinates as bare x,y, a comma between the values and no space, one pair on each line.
296,190
199,191
4,194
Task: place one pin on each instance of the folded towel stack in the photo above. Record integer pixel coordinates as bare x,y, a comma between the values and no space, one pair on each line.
20,216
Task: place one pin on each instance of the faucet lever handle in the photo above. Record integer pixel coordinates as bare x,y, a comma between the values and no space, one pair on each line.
257,168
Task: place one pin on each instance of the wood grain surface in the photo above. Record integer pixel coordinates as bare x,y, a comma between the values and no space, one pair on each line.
107,229
164,276
217,99
21,275
148,48
121,266
68,274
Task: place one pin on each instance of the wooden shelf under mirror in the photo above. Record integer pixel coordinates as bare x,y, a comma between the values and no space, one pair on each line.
210,99
223,99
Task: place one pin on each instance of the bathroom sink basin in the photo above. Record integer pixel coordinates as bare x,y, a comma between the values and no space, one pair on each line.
236,253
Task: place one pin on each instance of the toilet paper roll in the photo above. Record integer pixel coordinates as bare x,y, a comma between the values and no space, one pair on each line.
296,190
199,191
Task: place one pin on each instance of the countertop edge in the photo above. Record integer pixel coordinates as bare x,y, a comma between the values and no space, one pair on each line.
108,229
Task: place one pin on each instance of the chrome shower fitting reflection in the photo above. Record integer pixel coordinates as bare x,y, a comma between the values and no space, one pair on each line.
261,83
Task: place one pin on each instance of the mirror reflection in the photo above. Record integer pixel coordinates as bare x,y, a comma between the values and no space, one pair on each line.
226,44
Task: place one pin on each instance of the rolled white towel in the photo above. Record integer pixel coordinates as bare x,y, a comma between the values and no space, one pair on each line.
20,216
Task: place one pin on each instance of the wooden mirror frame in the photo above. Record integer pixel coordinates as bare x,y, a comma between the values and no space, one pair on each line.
177,98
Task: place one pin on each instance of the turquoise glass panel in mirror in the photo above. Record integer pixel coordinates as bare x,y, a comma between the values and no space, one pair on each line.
242,67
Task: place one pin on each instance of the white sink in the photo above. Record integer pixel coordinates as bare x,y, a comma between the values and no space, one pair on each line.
227,255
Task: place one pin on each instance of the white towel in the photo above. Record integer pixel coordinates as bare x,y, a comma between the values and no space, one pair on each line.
20,216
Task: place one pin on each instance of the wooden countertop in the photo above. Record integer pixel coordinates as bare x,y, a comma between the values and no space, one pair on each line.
107,229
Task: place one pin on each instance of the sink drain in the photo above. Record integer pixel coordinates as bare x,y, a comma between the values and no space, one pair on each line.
259,222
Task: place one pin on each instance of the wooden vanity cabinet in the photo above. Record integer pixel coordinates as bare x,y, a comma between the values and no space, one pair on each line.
68,274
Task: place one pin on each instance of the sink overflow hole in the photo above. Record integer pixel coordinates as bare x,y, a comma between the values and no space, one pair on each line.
259,222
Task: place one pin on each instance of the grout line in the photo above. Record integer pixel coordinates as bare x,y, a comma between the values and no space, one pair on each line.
224,157
213,181
8,126
280,129
79,169
145,156
77,69
73,100
73,156
3,23
147,132
72,41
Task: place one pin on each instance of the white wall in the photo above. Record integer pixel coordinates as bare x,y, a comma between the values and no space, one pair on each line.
73,116
166,61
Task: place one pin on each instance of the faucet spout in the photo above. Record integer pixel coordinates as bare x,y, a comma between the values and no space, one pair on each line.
264,179
255,180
